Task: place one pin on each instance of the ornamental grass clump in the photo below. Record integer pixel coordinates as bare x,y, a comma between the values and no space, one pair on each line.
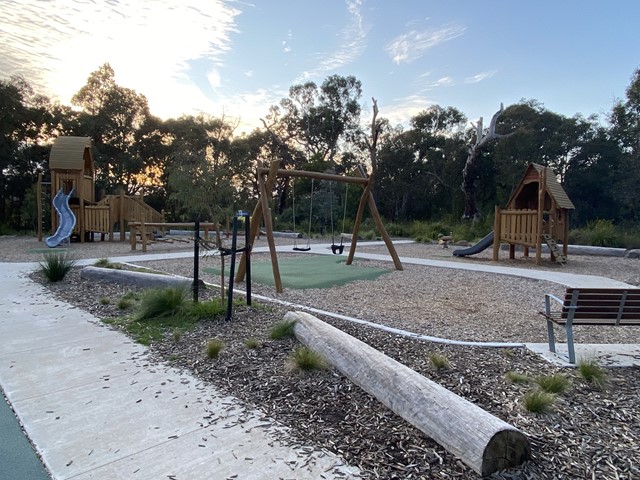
592,372
517,377
55,266
282,330
305,359
162,303
439,361
252,343
556,383
538,401
213,348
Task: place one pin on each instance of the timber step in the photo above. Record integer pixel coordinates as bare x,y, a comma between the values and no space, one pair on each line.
555,248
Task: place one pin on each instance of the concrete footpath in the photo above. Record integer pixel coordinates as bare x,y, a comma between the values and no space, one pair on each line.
96,407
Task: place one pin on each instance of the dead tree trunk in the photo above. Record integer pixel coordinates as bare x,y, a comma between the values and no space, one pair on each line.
469,173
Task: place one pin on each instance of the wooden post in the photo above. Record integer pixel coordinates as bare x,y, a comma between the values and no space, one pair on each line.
266,214
121,213
39,202
541,193
255,218
497,225
484,442
143,235
357,222
376,219
132,235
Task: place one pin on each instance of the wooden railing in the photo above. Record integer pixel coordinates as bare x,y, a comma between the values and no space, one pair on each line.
519,227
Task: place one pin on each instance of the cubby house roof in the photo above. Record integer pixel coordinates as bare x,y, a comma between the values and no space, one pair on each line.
553,187
71,153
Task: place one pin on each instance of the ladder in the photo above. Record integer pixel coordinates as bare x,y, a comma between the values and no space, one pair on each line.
555,248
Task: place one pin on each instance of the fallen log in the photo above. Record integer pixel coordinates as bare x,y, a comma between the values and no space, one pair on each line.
482,441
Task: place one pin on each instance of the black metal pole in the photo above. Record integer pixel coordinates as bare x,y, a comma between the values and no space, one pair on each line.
196,260
232,268
247,251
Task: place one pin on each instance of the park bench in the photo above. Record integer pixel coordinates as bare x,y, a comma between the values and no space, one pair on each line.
591,306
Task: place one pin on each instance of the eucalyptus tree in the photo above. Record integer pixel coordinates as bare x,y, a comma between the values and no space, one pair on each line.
317,119
118,120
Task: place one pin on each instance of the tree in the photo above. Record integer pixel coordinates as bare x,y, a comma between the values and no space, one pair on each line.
469,173
117,119
316,119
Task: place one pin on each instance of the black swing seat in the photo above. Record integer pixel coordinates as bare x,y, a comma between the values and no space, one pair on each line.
337,249
302,249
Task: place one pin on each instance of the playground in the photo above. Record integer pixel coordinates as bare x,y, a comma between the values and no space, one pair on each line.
449,303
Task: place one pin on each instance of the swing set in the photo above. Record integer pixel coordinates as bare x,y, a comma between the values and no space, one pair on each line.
262,211
335,248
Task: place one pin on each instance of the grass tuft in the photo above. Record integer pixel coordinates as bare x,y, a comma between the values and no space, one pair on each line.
537,401
56,266
162,303
105,301
556,383
252,343
214,347
439,361
282,330
592,372
205,310
517,377
305,359
124,303
106,263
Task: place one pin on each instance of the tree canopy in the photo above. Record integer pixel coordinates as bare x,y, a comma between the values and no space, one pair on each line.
196,166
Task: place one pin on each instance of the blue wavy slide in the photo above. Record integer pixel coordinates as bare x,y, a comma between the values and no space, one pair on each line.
66,219
483,244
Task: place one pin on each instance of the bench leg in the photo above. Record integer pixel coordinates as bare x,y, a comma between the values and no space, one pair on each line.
570,347
552,338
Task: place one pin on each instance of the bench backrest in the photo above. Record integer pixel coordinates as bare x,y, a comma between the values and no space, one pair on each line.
612,306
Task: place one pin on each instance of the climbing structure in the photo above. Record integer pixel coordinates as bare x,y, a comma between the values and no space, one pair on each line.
537,213
73,169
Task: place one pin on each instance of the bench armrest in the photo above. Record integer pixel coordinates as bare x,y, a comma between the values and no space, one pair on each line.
547,303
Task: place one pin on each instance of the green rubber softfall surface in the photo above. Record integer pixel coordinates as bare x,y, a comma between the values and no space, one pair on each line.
316,271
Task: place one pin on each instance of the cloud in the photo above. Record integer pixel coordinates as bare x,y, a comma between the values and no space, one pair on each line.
56,44
401,110
480,77
353,41
410,46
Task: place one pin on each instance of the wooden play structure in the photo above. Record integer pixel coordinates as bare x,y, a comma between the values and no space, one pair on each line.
262,212
537,213
72,167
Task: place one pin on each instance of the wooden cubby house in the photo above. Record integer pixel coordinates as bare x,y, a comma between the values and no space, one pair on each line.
537,213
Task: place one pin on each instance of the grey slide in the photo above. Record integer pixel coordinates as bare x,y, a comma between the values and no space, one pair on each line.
483,244
67,220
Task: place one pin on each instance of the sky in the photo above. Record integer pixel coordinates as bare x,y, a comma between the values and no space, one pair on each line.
237,58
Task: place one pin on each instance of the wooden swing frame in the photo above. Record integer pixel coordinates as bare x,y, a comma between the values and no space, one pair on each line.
262,211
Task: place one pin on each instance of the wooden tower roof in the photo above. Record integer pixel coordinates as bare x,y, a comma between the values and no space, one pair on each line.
552,186
72,153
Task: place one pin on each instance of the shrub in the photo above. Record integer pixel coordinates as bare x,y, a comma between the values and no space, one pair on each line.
592,372
105,301
602,233
159,303
282,330
176,335
303,358
556,383
537,401
56,266
214,347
